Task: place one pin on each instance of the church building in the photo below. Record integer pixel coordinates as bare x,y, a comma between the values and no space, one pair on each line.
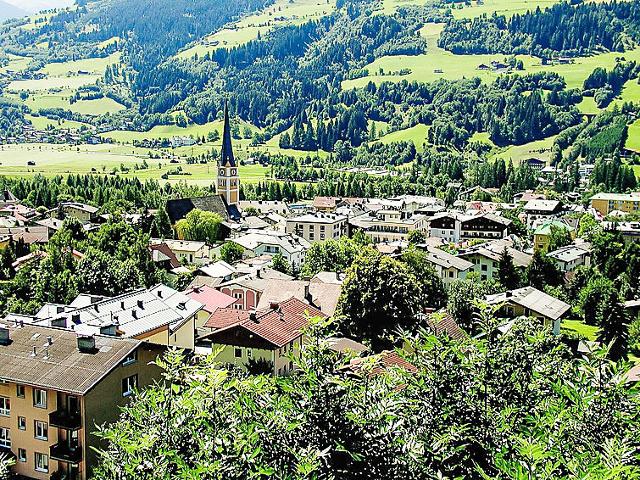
228,177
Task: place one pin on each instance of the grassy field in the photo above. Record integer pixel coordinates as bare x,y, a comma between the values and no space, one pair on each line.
65,159
61,98
95,66
16,63
416,134
633,139
581,328
539,149
42,123
44,84
282,12
438,63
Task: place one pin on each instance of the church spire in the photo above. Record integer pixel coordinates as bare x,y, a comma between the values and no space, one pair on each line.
226,157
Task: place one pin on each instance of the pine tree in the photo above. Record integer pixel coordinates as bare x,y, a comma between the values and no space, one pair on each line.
507,274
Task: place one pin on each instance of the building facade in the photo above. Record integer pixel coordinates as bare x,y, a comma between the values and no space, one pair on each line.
228,175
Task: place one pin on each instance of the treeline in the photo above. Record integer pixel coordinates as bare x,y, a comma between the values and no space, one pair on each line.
563,29
604,85
100,190
614,176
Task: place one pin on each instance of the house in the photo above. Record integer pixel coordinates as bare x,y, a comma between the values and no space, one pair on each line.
187,251
541,209
389,225
572,256
211,298
159,315
445,225
82,211
536,163
322,296
259,242
531,302
317,227
542,234
630,231
163,256
265,207
272,335
442,323
56,387
605,203
7,198
486,226
327,204
447,266
485,257
31,235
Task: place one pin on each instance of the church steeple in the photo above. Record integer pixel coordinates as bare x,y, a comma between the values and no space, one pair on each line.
226,156
228,176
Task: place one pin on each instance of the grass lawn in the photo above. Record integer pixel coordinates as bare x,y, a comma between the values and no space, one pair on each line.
281,12
577,326
44,84
539,149
60,99
95,66
416,134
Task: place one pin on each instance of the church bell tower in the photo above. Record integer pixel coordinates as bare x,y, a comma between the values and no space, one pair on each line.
228,177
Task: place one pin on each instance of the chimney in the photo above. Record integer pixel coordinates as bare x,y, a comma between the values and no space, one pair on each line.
34,351
509,294
159,293
95,307
140,304
49,340
274,305
307,294
86,344
75,318
46,352
134,313
5,337
258,274
253,317
122,305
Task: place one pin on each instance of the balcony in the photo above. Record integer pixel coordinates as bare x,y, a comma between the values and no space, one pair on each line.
61,475
65,419
62,453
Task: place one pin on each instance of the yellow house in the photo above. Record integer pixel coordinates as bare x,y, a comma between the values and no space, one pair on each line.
605,203
269,337
542,234
56,387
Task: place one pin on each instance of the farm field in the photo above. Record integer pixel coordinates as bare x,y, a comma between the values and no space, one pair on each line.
43,84
16,63
539,149
61,100
95,66
282,12
500,7
42,123
438,63
102,159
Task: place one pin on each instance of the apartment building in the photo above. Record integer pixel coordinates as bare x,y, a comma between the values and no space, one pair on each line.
55,387
257,243
389,225
605,203
317,227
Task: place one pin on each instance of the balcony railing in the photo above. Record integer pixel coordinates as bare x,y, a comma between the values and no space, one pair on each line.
65,419
62,453
60,475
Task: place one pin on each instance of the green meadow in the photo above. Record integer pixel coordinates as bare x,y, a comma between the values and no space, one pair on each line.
538,149
416,134
280,13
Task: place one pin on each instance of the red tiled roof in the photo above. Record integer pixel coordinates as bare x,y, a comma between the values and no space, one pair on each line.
278,325
447,325
211,298
164,248
325,202
383,361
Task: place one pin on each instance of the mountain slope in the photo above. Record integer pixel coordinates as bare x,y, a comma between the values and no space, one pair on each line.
10,11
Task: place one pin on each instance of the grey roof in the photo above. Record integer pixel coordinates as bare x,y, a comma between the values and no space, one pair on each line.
60,366
446,260
571,253
542,205
534,300
493,251
144,311
178,208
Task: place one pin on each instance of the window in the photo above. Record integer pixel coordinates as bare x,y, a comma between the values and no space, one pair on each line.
484,268
5,407
41,430
131,358
39,398
237,306
237,352
42,462
20,391
22,423
129,384
5,437
22,455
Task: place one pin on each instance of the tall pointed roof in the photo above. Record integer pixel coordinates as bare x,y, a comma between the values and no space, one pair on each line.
226,157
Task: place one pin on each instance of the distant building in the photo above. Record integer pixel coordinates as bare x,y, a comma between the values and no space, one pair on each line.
541,210
317,227
486,258
257,242
188,251
542,234
531,302
447,266
389,225
605,203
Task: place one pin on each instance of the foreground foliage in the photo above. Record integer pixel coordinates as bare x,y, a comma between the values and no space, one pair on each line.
505,406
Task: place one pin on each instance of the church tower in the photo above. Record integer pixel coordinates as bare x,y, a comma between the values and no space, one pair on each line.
228,177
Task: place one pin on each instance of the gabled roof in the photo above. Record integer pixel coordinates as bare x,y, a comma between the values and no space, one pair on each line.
211,298
279,324
178,209
60,365
446,260
493,251
160,252
533,299
542,205
443,322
